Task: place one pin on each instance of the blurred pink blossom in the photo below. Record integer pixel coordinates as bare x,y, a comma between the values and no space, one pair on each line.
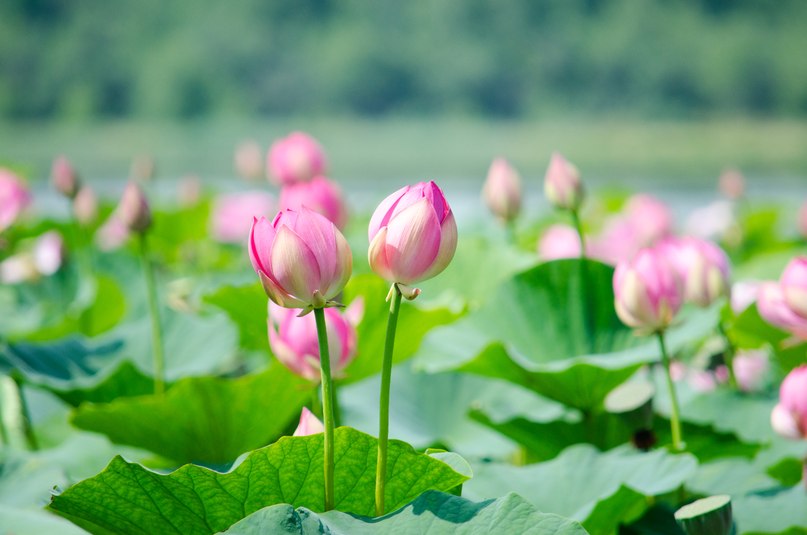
295,158
559,241
320,195
14,198
233,213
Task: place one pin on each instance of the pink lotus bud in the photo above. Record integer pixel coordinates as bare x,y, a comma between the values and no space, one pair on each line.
650,218
133,209
320,195
85,206
301,257
702,380
112,234
233,214
648,293
559,241
502,190
789,417
678,370
750,369
732,184
794,285
774,309
294,341
743,295
702,266
64,177
49,253
296,158
14,198
249,160
562,185
802,223
309,424
413,235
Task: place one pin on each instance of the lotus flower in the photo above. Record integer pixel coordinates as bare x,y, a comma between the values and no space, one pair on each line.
702,266
647,290
233,214
301,258
794,285
14,198
744,294
774,309
750,369
296,158
413,236
64,177
320,195
789,417
133,209
562,185
309,424
294,341
502,190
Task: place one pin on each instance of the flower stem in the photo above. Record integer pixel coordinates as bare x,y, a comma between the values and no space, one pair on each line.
154,310
578,225
728,355
327,404
25,417
675,422
337,411
383,416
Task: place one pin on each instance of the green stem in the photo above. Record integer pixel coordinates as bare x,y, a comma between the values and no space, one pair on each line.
327,404
675,422
383,415
728,355
337,410
25,416
578,225
154,310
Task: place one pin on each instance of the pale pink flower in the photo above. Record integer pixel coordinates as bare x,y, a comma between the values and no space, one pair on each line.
702,266
320,195
789,417
309,424
647,290
64,177
133,210
233,213
750,369
562,185
295,158
559,241
502,190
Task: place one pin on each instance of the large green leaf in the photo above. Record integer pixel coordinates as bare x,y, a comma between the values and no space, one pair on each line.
552,329
246,307
128,499
600,489
413,324
203,419
433,513
775,512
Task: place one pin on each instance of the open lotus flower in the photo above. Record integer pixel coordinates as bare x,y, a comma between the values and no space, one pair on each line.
502,190
702,266
320,195
309,424
64,177
295,158
413,236
233,214
248,160
562,185
294,341
647,290
14,198
789,417
301,258
133,210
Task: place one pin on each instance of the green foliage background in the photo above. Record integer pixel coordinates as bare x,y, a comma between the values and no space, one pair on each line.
185,59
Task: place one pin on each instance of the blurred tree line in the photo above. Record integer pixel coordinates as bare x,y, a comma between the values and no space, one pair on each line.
66,59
